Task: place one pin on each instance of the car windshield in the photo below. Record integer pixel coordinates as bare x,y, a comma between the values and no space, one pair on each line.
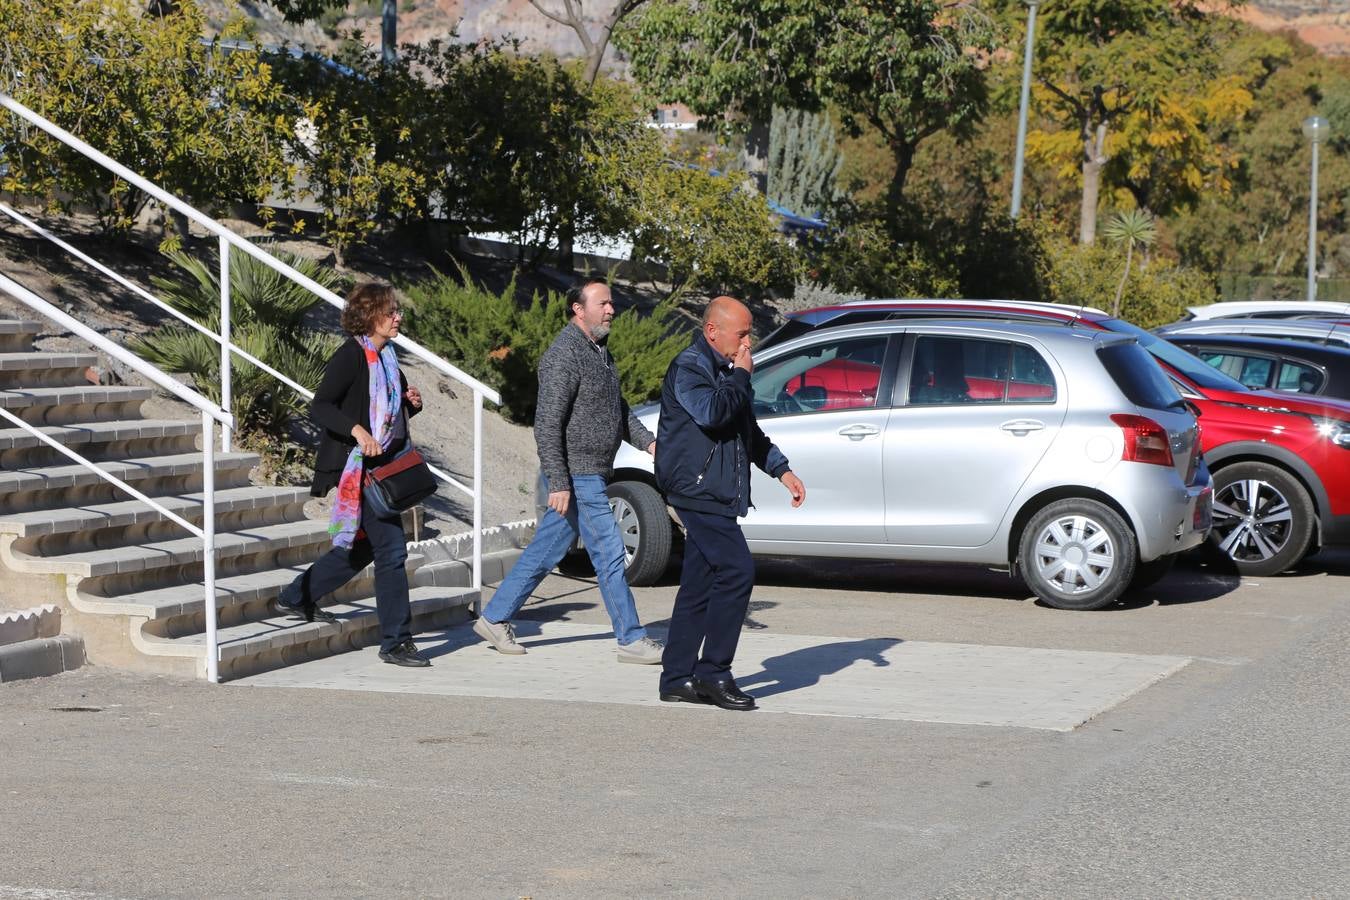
1194,368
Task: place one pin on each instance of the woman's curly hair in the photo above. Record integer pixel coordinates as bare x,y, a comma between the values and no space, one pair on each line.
365,305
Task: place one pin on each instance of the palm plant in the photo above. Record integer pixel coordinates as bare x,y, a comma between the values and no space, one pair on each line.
267,321
1130,227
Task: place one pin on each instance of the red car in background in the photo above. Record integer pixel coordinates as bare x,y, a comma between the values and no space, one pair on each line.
1280,461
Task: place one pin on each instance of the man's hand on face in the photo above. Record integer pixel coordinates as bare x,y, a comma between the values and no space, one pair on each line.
743,359
559,500
795,488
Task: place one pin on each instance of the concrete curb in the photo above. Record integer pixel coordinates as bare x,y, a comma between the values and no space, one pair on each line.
30,624
510,536
40,656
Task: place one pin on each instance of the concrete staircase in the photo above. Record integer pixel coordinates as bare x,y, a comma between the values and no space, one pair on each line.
128,581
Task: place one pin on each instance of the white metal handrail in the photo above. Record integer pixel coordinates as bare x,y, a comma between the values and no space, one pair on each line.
210,415
141,292
227,239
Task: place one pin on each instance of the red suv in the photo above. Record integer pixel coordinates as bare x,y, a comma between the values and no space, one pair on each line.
1280,461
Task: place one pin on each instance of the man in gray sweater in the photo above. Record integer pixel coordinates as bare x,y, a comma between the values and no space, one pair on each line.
579,420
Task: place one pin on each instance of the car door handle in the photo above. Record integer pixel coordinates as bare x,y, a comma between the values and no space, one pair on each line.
858,432
1022,427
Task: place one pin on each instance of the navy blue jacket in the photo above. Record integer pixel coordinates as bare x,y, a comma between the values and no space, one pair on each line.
708,435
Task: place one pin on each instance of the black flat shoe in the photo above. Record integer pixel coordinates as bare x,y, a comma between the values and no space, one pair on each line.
724,694
682,692
316,613
279,607
405,654
310,612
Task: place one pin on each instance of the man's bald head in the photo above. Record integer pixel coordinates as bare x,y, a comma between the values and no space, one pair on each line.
726,325
720,307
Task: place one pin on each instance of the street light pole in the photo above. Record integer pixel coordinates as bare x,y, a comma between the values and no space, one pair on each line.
1315,129
1022,111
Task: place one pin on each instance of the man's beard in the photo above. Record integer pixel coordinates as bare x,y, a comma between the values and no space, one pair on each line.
600,332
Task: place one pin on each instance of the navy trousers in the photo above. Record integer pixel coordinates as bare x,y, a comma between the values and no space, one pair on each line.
385,544
710,606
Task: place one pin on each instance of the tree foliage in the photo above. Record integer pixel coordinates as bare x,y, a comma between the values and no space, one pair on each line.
804,161
1260,228
202,123
1134,84
907,69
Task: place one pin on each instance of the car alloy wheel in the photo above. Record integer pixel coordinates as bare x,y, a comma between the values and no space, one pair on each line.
629,528
1078,554
644,527
1263,517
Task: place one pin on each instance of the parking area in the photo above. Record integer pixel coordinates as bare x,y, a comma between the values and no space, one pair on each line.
1224,776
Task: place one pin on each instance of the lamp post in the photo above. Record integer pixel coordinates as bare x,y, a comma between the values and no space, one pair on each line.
1316,129
1022,111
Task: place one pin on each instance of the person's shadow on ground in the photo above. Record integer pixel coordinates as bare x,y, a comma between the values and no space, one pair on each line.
805,667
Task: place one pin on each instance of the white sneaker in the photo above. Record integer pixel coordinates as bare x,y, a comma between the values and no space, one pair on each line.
642,652
500,635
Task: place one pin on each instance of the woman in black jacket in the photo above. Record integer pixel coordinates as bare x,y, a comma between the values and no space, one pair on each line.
363,405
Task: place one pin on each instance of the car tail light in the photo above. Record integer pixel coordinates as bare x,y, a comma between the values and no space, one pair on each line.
1145,440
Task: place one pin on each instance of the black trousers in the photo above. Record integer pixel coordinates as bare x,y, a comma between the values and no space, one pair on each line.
383,543
710,606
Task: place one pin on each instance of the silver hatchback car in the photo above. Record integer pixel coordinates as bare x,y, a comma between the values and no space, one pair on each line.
1061,453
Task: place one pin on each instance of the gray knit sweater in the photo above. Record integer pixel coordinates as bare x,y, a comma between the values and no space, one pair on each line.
581,415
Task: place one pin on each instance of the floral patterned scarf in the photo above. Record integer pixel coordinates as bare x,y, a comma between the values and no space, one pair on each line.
385,403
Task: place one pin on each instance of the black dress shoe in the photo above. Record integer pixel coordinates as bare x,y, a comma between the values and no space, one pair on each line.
405,654
724,694
682,692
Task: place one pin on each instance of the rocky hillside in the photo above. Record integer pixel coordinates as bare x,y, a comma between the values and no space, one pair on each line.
1325,24
420,21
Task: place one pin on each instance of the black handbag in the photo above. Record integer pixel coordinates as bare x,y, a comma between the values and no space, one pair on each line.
399,484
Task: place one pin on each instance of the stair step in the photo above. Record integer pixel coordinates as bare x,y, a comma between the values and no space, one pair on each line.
134,512
25,398
186,599
181,551
129,470
14,326
38,359
97,432
251,638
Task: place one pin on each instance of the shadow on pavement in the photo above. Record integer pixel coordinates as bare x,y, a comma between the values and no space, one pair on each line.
805,667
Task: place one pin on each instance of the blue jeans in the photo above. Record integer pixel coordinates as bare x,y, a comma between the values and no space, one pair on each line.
588,513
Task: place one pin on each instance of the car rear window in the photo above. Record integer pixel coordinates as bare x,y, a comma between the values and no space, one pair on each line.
1138,376
1192,367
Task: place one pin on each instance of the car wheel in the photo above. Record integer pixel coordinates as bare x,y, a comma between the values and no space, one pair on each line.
1078,554
1150,573
1263,517
645,529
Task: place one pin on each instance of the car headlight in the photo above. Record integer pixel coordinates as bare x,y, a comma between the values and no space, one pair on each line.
1337,432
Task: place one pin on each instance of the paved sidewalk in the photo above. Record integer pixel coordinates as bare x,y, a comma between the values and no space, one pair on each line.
873,678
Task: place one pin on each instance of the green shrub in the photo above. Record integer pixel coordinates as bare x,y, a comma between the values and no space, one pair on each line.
267,314
863,257
1154,294
643,347
498,341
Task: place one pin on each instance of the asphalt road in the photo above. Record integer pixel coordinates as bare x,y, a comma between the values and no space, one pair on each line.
1229,778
